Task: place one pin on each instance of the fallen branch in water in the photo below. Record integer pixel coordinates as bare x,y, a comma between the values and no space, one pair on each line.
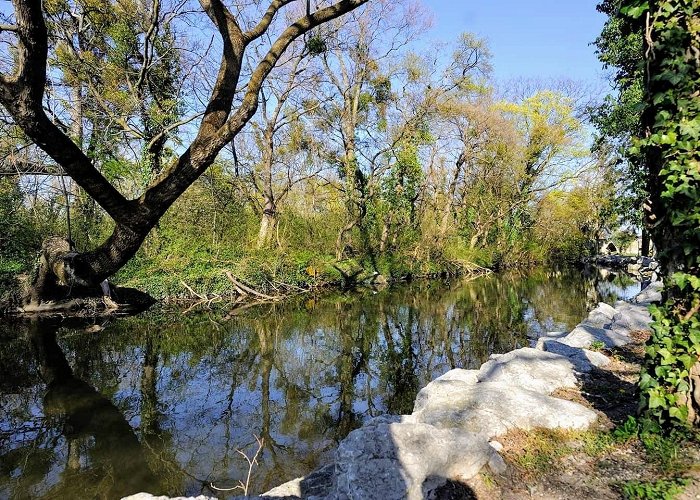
251,462
239,308
289,285
470,267
246,289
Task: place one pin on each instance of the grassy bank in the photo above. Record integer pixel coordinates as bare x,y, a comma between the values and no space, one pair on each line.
274,272
619,458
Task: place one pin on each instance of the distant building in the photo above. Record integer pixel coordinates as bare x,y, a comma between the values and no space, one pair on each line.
633,248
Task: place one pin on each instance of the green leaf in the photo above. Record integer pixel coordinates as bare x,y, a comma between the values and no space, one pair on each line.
656,401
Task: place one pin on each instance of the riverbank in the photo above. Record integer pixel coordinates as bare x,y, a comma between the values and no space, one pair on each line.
612,459
503,430
526,425
458,418
242,283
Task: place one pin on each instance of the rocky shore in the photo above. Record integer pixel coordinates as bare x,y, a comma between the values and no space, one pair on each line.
645,268
457,418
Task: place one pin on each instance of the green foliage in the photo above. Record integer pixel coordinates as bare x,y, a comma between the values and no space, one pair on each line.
316,45
626,431
669,153
664,451
597,345
663,489
619,47
390,206
18,236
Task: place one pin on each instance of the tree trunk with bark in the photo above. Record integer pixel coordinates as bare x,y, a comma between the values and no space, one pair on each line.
268,224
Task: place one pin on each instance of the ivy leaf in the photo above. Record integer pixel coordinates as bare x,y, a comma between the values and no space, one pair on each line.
635,11
656,401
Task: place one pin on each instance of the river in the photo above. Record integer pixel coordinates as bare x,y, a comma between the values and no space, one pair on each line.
165,402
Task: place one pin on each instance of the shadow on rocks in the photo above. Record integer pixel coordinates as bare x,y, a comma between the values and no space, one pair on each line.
440,488
608,393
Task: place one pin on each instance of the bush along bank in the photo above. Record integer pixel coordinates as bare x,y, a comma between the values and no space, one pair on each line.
264,275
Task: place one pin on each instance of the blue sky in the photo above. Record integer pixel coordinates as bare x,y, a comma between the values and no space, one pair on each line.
531,39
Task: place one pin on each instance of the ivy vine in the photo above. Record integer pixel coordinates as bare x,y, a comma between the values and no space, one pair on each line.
669,150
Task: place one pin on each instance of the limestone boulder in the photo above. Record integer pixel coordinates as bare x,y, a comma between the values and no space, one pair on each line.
319,484
530,369
631,317
584,360
539,345
493,408
652,293
392,461
584,335
601,317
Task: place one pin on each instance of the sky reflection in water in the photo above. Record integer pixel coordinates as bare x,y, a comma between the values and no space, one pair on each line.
162,401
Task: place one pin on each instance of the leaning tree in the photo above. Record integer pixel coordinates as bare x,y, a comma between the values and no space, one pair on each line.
232,102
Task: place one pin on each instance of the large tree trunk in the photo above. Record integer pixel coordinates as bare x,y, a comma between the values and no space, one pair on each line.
645,243
340,240
59,284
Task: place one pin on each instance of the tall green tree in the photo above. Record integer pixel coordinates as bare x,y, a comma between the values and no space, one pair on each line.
232,101
620,49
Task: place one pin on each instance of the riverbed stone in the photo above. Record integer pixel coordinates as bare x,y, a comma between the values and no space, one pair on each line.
652,293
584,335
392,461
530,369
493,408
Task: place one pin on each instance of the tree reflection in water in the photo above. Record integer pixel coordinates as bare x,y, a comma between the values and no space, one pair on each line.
162,401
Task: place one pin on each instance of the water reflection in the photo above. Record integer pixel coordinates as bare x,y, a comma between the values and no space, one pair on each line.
162,402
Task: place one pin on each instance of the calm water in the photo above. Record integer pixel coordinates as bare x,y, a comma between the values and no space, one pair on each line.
162,402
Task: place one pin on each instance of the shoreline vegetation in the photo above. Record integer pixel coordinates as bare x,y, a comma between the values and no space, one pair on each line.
252,283
354,150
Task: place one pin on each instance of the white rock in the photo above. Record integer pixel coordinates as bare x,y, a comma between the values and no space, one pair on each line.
318,484
652,293
497,464
468,376
496,445
392,461
584,335
606,309
530,369
548,336
493,408
584,360
601,317
632,317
